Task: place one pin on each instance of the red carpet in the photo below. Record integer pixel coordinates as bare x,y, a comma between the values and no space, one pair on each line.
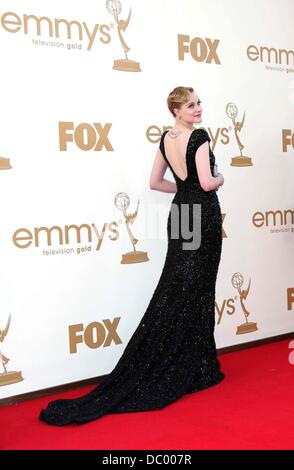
253,408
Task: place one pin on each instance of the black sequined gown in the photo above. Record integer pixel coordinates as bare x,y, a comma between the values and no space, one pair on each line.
172,351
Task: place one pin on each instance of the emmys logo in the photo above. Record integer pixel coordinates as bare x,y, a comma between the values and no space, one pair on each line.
239,160
85,136
201,50
95,335
220,134
237,282
122,202
287,139
23,237
274,218
125,65
270,55
7,377
13,23
290,298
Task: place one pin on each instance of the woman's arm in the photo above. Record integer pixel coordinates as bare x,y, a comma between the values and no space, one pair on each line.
157,182
208,182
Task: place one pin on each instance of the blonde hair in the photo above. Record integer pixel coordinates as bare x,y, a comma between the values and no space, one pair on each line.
177,97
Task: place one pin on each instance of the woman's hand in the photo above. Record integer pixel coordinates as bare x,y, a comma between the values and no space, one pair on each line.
221,179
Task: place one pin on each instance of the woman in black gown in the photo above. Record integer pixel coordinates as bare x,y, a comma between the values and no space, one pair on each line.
172,351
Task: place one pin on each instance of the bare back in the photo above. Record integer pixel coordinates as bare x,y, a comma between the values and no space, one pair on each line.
176,153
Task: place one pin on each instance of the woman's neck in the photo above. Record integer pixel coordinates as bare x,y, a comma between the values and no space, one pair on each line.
181,125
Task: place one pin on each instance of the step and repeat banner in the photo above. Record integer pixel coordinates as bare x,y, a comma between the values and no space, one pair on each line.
82,236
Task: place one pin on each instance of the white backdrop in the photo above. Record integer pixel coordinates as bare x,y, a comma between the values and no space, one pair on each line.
56,289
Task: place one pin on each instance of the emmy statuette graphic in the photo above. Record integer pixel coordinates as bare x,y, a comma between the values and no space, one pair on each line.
247,327
239,160
5,164
122,202
7,377
125,65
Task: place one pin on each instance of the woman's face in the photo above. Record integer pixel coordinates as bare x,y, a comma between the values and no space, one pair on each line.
191,111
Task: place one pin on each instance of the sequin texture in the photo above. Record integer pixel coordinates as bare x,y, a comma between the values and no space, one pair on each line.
172,351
